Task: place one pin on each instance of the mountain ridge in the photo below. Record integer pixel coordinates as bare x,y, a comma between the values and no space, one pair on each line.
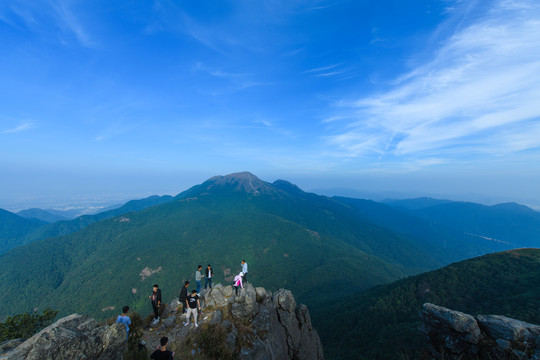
296,239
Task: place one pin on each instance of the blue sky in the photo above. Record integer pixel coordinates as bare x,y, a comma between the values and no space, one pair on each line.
113,100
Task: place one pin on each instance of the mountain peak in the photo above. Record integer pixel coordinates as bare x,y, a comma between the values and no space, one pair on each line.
241,181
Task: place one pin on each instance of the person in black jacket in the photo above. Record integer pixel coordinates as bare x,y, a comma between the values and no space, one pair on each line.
156,301
162,353
183,296
209,275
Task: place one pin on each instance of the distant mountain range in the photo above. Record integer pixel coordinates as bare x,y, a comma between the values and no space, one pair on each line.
312,244
511,223
14,228
19,232
48,216
382,323
288,237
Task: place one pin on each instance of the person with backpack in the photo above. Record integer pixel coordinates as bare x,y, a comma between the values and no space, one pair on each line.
237,282
209,274
156,301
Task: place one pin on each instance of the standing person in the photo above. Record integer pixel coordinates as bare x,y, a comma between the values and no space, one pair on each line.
183,296
156,301
244,270
162,353
193,304
198,278
237,282
124,319
209,275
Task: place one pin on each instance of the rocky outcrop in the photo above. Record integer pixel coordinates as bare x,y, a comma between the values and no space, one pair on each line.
73,337
257,324
455,335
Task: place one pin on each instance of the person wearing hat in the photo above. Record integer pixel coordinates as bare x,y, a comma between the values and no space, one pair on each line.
237,282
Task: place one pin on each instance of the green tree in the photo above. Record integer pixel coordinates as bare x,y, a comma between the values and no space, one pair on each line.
25,325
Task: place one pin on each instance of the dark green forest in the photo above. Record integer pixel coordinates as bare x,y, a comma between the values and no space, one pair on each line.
382,322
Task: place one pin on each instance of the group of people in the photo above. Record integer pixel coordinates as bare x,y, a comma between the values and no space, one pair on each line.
190,303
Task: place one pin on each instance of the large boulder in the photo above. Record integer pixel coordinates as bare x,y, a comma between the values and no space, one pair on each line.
245,304
450,332
502,327
262,325
73,337
455,335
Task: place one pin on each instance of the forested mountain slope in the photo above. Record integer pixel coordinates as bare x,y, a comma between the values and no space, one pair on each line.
13,228
382,322
290,238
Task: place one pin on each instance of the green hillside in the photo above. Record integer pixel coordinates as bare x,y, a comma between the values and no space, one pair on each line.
382,322
25,232
308,243
13,228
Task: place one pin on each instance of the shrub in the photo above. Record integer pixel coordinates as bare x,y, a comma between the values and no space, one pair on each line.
25,325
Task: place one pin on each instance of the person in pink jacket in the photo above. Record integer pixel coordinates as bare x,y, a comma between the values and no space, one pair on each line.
237,282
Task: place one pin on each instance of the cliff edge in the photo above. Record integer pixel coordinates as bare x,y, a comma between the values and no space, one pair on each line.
256,324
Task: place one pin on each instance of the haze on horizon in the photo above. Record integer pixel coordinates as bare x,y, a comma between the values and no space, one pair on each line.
116,100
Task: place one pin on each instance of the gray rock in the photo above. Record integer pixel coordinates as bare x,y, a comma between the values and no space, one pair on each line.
167,311
218,287
245,305
214,298
7,345
503,344
453,335
227,291
174,304
217,317
455,320
261,294
73,337
285,300
502,327
169,322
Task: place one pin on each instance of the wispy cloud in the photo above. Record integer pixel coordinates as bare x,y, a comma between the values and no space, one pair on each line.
71,23
20,128
478,93
37,16
322,68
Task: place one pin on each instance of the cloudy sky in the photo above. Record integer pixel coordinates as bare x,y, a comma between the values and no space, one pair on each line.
119,99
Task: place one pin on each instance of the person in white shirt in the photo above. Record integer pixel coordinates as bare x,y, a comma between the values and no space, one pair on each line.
244,271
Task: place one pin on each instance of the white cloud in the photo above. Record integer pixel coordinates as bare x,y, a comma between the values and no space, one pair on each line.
69,21
20,128
37,16
478,93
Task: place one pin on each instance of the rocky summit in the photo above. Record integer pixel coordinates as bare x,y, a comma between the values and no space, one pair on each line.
73,337
456,335
256,324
